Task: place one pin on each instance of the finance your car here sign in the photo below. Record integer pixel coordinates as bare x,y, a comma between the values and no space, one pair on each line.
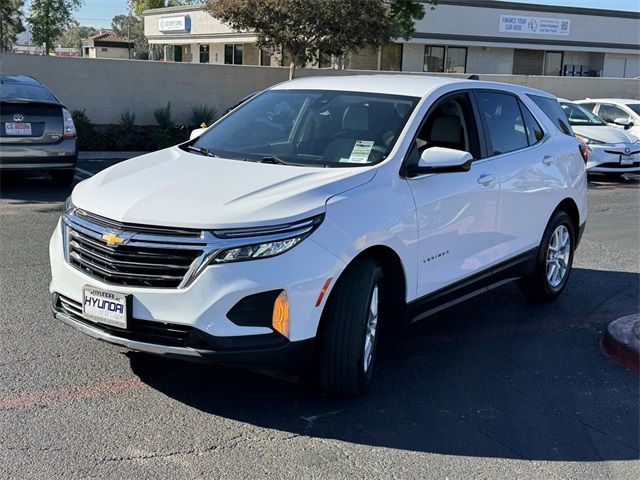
534,25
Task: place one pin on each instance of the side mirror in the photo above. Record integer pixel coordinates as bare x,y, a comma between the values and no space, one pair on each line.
196,133
442,160
623,122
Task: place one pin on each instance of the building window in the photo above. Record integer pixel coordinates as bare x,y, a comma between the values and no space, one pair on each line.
204,53
391,57
103,49
434,59
233,54
265,57
456,60
445,59
86,51
553,63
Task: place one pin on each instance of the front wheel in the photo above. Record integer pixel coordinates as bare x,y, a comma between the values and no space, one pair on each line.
554,261
350,328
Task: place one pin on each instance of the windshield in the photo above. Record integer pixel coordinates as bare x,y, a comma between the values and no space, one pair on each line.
310,128
635,107
580,117
28,92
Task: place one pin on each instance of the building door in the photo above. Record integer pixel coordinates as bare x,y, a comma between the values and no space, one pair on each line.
553,63
528,62
177,53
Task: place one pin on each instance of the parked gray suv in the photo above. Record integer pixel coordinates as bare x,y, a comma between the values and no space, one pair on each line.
36,130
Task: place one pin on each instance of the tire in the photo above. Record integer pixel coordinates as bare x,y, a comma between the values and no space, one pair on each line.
342,366
546,284
63,178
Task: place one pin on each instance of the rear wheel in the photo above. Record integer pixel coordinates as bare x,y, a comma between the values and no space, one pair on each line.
553,262
63,178
350,330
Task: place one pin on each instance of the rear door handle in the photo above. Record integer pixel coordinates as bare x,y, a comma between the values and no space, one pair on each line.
547,160
486,179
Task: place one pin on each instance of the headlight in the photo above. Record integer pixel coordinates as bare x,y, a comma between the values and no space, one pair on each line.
259,250
589,141
276,240
69,207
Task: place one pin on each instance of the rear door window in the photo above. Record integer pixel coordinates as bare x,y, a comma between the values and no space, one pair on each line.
504,122
553,110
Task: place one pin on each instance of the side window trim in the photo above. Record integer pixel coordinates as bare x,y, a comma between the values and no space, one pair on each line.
487,133
478,126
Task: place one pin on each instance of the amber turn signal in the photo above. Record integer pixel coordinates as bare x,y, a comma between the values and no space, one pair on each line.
280,318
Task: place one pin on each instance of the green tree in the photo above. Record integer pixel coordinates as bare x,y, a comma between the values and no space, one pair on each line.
132,28
49,18
139,6
11,15
304,29
72,37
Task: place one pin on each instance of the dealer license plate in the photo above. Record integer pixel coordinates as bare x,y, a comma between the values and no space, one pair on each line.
105,307
18,129
626,160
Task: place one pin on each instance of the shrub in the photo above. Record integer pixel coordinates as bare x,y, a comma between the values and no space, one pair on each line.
128,120
87,138
201,114
163,117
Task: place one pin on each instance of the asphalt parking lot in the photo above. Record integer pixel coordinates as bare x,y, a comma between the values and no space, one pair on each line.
492,388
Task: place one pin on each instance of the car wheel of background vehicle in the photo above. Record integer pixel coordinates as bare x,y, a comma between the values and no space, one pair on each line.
63,178
553,262
348,337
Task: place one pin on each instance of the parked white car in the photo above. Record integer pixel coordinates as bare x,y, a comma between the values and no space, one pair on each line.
611,150
318,214
617,112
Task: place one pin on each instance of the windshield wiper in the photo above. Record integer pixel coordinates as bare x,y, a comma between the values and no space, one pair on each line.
275,161
201,150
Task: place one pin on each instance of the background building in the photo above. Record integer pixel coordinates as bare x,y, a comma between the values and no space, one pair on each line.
458,36
107,44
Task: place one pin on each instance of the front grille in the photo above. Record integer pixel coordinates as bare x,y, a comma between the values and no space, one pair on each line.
618,165
147,258
159,333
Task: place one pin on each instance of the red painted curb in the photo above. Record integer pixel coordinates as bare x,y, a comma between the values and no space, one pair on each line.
621,342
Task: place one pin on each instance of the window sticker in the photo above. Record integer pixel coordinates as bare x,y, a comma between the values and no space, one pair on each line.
361,152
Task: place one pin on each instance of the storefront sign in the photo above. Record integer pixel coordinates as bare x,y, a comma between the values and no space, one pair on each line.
175,24
535,25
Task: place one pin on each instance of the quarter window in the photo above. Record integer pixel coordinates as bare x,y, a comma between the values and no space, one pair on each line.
553,110
504,121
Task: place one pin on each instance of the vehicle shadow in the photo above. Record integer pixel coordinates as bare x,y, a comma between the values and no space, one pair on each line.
34,189
603,181
493,377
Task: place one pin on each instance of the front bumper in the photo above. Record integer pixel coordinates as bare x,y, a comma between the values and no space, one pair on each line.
282,356
606,159
202,308
61,155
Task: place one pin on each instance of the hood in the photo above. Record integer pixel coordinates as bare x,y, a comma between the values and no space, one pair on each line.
175,188
605,134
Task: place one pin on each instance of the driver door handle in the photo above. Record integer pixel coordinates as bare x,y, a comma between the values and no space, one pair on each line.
486,179
547,160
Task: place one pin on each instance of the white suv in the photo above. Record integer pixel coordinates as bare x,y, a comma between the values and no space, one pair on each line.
319,212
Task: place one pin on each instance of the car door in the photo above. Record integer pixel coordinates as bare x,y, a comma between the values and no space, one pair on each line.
456,212
526,160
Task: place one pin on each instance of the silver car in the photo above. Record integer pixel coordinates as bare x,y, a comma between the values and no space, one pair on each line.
36,130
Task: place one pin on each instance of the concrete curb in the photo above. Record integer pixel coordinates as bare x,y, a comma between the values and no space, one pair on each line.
622,341
108,155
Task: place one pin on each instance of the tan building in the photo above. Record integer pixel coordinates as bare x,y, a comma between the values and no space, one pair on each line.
107,44
458,36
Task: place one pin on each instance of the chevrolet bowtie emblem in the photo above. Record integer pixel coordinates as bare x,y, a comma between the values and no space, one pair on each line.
111,239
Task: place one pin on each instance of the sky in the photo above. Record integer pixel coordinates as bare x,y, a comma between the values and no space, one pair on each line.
98,13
